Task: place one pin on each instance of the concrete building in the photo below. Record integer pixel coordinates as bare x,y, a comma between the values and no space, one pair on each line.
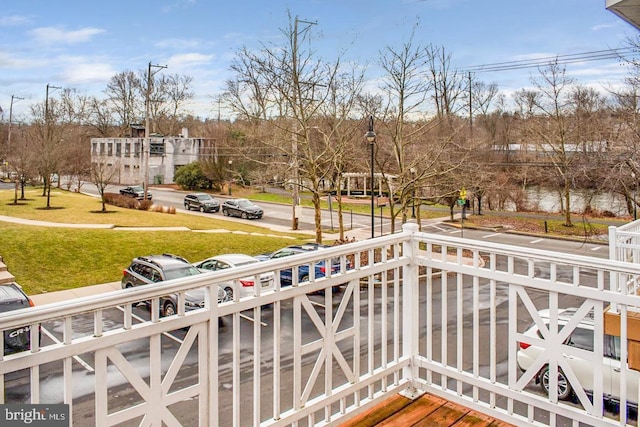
165,155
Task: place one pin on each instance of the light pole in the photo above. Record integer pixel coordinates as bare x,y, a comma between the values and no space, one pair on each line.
413,192
295,194
230,175
370,136
47,179
147,140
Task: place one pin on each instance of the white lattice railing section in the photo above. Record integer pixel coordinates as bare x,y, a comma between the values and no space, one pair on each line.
624,245
305,352
480,303
414,312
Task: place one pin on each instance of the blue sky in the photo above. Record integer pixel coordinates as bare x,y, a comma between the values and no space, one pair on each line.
82,44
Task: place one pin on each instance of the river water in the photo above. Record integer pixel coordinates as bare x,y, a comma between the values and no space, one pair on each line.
545,200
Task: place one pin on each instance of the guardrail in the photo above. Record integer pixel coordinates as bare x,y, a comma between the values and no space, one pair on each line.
415,312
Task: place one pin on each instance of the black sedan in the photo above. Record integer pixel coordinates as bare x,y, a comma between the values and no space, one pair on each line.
243,208
135,191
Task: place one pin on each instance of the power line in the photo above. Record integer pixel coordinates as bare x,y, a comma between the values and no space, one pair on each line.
597,55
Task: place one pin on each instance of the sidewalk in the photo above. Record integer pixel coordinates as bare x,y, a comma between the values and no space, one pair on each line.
68,294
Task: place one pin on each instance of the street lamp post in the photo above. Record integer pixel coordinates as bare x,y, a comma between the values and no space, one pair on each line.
295,193
370,136
48,136
413,192
230,175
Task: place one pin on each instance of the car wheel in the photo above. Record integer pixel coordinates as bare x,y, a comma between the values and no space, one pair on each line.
564,387
244,215
304,278
225,212
202,209
128,285
186,206
169,309
228,293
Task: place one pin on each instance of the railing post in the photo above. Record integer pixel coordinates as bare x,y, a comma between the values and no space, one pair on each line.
613,255
410,307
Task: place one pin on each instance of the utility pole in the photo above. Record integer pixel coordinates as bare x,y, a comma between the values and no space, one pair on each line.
46,104
147,139
15,200
470,109
296,96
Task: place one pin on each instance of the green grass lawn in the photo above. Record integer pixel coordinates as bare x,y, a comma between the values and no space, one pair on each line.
45,259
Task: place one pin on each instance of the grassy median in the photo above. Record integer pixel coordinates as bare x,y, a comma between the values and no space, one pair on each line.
45,259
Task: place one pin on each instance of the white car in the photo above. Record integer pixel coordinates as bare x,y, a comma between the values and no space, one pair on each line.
245,285
582,337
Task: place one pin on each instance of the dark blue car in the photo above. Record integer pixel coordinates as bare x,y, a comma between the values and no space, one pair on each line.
286,275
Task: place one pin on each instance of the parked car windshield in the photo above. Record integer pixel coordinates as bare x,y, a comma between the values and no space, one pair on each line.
181,272
244,203
204,197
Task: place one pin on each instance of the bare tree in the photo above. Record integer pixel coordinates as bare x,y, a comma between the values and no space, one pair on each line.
103,173
123,95
448,83
287,85
101,116
48,138
554,138
417,80
178,92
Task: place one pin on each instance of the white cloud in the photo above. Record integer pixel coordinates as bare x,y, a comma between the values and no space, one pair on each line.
88,72
12,60
53,35
189,59
602,27
13,21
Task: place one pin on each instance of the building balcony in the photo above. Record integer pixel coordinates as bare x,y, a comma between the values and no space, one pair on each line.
410,314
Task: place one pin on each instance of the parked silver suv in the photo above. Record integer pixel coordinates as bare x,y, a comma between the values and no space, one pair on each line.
201,201
578,347
158,268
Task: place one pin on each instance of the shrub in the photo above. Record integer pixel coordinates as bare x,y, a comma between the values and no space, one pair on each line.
144,205
126,202
192,177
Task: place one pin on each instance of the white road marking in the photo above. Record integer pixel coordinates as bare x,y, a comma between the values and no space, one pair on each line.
597,248
491,235
536,241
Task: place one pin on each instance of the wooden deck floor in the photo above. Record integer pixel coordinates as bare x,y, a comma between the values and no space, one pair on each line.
426,411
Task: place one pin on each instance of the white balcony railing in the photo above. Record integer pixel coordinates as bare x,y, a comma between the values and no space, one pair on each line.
415,312
624,245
